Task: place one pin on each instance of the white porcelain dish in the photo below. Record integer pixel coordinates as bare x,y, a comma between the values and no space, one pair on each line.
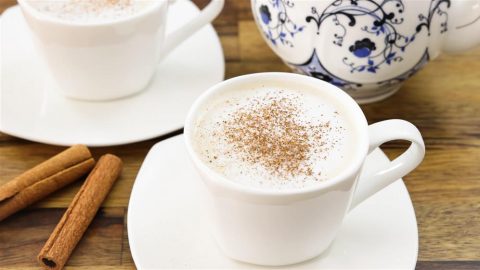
167,226
31,109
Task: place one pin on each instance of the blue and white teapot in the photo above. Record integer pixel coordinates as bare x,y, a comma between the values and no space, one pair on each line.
366,47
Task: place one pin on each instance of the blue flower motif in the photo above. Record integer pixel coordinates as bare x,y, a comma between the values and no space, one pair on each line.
265,14
363,48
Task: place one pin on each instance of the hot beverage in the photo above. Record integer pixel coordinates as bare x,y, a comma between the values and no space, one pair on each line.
89,11
282,157
274,136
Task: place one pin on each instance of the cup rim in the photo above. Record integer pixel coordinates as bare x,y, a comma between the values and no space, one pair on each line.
221,181
27,7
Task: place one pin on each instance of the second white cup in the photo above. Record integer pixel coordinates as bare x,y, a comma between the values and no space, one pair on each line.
109,60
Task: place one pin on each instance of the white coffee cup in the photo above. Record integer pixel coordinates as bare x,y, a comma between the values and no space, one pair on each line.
109,60
280,227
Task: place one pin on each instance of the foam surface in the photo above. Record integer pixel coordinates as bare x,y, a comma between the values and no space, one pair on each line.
90,11
247,154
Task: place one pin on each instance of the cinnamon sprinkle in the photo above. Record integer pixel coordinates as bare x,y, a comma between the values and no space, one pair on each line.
270,131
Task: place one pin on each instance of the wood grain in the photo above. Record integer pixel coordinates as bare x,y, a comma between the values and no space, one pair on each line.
23,235
449,265
443,100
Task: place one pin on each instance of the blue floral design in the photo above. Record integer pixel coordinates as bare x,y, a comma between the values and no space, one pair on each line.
265,14
380,43
363,48
282,29
435,8
409,73
385,16
313,67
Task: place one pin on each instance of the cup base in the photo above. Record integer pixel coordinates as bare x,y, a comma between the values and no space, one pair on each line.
101,99
276,263
272,260
105,97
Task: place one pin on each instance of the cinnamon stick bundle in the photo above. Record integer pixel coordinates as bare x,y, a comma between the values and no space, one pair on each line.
80,213
45,178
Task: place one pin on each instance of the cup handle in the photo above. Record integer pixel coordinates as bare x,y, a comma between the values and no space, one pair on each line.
178,36
380,133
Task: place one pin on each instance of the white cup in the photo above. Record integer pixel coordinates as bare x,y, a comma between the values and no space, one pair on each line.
109,60
272,227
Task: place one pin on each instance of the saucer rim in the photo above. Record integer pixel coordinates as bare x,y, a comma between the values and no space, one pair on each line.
104,142
157,145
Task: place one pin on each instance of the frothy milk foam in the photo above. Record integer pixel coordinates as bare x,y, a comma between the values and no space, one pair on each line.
274,136
90,11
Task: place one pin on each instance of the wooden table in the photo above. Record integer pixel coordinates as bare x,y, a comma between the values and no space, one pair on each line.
443,100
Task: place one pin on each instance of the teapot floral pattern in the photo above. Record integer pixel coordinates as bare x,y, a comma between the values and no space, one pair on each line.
372,35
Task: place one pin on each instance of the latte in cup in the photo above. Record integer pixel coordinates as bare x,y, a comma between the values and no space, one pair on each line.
281,157
274,137
89,11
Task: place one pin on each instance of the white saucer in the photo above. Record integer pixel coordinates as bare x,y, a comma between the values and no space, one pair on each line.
167,227
30,109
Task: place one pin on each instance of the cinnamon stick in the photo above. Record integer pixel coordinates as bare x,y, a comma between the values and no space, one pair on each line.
80,213
45,178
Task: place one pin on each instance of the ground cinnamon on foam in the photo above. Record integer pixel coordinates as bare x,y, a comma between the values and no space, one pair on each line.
270,131
95,6
103,3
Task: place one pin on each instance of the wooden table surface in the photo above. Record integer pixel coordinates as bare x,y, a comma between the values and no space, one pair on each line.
443,100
